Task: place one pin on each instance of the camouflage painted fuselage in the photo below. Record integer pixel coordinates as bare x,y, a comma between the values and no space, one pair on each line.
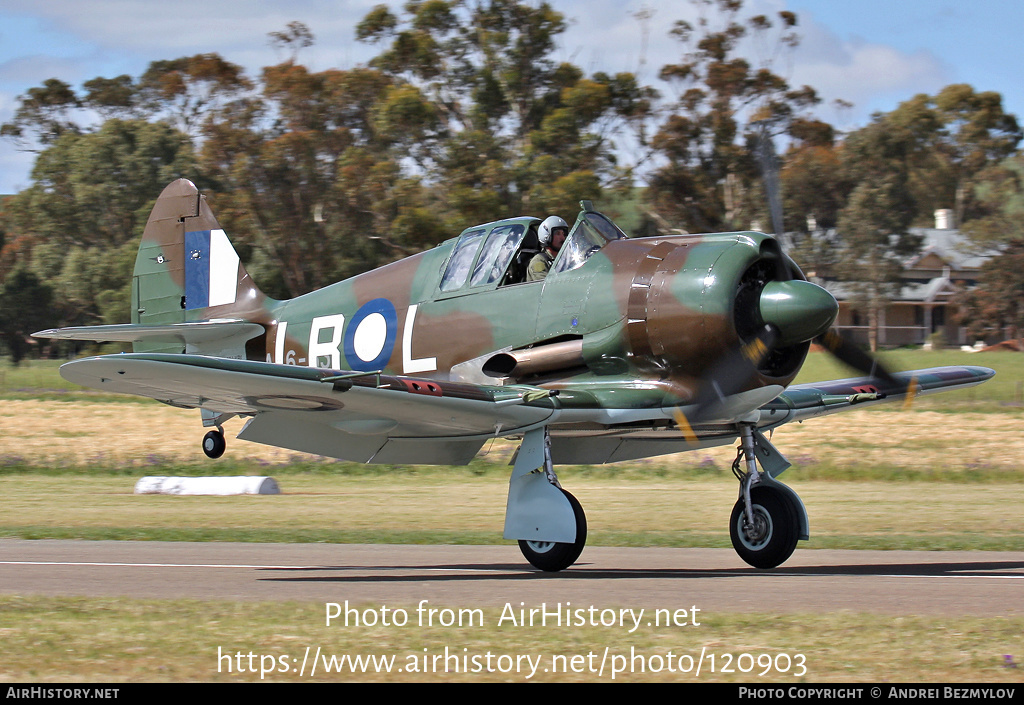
631,323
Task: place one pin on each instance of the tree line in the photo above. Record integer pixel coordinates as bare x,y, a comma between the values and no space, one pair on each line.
464,116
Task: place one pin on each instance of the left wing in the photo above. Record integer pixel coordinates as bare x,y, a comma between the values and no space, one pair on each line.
376,418
799,402
365,417
803,401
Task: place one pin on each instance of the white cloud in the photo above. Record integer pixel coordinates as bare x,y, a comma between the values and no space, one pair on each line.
872,76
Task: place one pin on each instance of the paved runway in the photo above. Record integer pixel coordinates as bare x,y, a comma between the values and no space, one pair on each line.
715,580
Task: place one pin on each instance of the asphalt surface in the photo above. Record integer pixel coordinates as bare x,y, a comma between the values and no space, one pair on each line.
714,580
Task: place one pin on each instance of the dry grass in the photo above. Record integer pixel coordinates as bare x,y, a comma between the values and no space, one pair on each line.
686,498
83,433
87,433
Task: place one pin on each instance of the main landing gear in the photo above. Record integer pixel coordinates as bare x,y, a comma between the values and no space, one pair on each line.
768,518
548,522
551,528
552,556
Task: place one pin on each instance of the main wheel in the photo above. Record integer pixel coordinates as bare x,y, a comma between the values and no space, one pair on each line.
773,536
551,556
214,444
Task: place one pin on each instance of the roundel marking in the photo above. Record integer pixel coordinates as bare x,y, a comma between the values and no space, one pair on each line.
370,336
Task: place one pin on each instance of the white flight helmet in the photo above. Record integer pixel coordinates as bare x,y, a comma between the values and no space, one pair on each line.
544,232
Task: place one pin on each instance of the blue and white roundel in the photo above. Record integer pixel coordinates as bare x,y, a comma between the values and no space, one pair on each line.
370,336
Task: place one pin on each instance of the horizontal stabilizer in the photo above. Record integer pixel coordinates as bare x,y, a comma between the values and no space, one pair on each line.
198,334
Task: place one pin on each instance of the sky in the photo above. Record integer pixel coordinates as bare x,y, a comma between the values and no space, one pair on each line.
871,53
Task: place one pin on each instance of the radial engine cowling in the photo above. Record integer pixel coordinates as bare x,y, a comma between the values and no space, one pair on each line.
694,299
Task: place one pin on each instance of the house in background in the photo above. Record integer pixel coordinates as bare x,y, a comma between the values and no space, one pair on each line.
930,281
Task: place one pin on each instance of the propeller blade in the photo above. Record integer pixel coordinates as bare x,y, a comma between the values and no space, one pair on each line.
770,173
911,393
852,356
727,378
769,163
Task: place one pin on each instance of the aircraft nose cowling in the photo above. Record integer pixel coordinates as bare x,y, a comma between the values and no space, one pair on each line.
799,310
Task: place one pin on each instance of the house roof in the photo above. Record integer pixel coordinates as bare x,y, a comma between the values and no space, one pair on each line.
940,249
911,292
951,246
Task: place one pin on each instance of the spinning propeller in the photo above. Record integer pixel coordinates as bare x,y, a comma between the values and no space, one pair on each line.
788,311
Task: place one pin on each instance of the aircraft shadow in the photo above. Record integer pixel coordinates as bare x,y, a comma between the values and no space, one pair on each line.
582,571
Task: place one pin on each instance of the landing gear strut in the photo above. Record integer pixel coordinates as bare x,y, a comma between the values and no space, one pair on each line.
768,518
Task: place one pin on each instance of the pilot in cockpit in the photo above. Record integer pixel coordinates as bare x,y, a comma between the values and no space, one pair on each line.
550,235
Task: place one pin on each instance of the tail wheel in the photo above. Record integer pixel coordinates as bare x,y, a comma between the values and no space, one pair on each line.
214,444
771,539
551,556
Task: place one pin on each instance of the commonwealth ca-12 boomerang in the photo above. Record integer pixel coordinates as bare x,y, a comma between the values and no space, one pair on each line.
629,348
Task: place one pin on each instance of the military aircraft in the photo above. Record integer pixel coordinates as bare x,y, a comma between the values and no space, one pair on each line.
629,348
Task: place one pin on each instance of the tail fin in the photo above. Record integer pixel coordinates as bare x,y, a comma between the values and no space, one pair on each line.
187,271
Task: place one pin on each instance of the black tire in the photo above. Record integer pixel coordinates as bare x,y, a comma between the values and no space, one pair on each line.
214,444
778,528
553,557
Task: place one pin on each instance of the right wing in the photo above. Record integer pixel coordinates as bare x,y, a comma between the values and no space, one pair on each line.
365,417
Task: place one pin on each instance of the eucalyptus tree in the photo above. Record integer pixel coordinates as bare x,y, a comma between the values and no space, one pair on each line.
708,178
516,130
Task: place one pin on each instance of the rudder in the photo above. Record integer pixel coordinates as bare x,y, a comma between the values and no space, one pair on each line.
186,269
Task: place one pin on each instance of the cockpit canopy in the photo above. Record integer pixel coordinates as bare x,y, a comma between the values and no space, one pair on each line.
497,254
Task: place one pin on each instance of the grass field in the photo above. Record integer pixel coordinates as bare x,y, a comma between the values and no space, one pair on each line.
416,508
125,641
945,475
967,449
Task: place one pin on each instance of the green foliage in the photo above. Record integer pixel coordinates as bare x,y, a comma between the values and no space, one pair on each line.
44,112
708,183
113,97
997,303
952,138
814,188
929,153
85,212
286,164
24,308
505,122
995,307
96,189
185,90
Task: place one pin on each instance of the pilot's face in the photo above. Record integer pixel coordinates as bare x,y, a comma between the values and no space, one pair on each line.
558,238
